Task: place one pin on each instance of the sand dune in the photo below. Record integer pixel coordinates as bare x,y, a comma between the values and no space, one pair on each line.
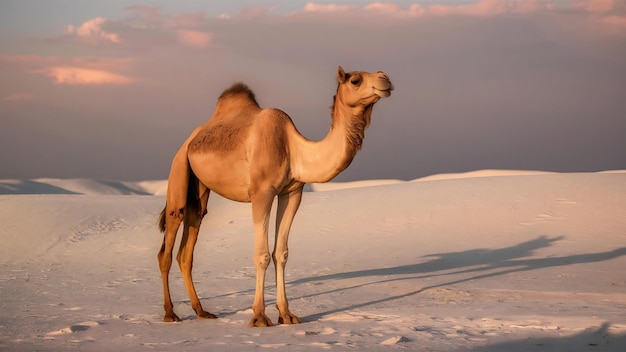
159,187
82,186
519,262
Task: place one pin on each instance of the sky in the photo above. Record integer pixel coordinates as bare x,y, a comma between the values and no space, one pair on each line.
111,89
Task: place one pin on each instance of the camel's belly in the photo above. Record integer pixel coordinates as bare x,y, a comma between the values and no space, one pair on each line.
226,176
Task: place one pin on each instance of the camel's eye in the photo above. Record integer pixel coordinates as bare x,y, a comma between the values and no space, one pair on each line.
356,80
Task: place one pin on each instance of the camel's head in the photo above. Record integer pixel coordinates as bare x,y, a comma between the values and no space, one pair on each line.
360,88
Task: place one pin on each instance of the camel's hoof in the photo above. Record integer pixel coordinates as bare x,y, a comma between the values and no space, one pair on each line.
171,318
206,315
260,320
288,319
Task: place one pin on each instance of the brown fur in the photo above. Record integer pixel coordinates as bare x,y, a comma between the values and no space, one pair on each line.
221,138
239,89
357,127
225,134
191,205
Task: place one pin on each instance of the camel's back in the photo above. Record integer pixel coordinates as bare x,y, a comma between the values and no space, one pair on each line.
239,137
229,126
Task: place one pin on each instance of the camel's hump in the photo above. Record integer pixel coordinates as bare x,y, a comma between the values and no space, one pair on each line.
238,89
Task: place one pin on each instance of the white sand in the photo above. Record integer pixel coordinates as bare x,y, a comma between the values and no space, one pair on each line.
519,262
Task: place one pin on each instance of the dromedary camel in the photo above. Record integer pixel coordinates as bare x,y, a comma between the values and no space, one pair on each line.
249,154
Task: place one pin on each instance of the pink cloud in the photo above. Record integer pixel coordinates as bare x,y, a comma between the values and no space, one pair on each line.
194,39
74,70
83,76
92,30
596,6
15,97
615,21
481,8
20,60
395,10
610,15
312,7
377,8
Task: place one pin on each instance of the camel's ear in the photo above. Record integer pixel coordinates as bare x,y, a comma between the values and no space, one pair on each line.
341,75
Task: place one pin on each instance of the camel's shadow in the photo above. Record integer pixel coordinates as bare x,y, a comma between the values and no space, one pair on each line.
459,267
591,339
470,265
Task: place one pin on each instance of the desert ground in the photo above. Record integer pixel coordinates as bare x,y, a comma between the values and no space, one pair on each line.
484,261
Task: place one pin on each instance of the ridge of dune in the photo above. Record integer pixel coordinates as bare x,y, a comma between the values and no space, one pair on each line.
333,186
91,186
481,173
87,186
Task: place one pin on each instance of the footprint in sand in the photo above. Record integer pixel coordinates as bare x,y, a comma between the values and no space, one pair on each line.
540,219
395,340
96,226
74,328
323,332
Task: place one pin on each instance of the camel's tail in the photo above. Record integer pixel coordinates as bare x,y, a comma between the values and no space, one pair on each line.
161,222
192,204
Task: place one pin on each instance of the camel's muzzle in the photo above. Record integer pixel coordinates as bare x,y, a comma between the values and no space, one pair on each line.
383,86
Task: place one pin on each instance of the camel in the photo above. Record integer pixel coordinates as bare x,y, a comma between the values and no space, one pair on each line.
249,154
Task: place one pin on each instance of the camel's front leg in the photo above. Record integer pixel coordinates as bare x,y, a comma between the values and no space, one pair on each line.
287,206
261,207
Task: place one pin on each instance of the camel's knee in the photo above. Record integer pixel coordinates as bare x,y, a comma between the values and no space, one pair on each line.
184,262
185,265
165,253
169,221
176,215
280,257
262,261
165,260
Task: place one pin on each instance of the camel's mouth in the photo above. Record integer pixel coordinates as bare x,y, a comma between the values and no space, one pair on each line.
383,88
383,93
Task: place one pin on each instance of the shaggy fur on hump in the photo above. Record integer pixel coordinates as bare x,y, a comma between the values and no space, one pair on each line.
239,89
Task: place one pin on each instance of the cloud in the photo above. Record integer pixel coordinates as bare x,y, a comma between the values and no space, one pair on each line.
92,30
83,76
15,97
481,8
596,6
615,20
386,9
488,8
194,39
74,70
609,14
312,7
391,9
394,10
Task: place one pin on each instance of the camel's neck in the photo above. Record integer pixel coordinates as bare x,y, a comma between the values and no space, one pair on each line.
321,161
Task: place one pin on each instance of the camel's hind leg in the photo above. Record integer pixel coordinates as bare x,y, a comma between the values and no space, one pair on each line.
193,219
173,219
